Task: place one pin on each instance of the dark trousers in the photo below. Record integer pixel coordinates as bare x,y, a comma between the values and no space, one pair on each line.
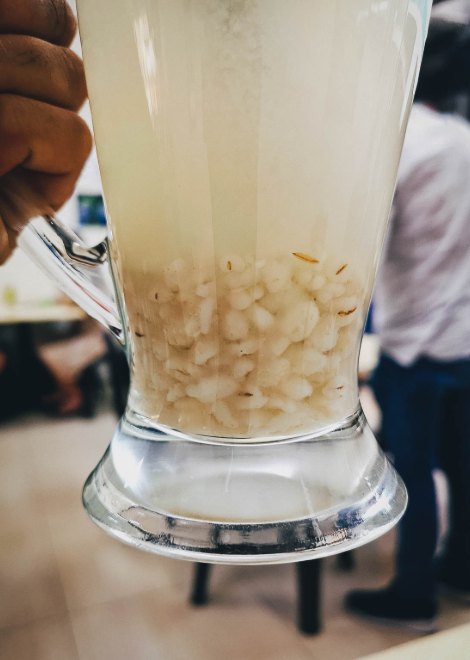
426,424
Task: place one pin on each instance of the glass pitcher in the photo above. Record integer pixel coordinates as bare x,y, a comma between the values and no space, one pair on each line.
248,152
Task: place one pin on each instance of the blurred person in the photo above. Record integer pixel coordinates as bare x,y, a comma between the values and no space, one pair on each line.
44,143
71,356
24,379
45,368
452,10
422,318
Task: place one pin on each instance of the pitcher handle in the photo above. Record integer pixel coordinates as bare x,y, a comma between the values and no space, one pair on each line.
62,255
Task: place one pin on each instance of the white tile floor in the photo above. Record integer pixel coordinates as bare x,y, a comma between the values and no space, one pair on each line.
68,592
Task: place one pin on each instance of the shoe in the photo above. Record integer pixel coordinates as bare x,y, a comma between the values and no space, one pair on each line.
389,607
455,583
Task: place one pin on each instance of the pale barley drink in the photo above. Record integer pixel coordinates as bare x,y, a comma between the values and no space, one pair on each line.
246,196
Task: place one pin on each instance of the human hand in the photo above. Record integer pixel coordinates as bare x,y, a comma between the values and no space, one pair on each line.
43,142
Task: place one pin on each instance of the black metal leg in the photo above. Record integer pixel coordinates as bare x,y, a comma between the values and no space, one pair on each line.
346,561
199,594
309,592
309,596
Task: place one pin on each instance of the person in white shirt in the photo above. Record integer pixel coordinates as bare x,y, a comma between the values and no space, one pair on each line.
422,317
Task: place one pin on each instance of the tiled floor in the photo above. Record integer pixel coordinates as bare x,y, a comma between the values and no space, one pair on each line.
68,592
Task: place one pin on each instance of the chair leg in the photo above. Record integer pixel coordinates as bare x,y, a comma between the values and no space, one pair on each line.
199,593
346,561
309,596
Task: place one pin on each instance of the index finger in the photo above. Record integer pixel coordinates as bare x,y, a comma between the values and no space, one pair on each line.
51,20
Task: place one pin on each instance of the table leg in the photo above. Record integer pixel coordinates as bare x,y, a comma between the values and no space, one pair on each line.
346,560
199,594
309,596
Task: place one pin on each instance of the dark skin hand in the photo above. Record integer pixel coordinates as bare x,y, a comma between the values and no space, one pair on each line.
43,142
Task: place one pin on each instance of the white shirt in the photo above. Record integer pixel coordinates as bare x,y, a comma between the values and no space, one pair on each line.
456,11
422,298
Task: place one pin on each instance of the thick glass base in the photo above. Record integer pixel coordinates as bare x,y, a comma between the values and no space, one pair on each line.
245,503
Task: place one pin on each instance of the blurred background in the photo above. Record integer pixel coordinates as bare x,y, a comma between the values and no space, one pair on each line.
67,591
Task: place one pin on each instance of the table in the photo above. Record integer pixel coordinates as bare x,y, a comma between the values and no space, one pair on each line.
20,313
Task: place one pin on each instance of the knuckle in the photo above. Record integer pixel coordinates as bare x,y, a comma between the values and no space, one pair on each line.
66,191
7,113
12,239
20,51
83,140
51,70
4,244
74,78
3,109
62,21
57,190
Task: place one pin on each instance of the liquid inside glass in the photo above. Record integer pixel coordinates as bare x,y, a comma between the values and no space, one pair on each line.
248,151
